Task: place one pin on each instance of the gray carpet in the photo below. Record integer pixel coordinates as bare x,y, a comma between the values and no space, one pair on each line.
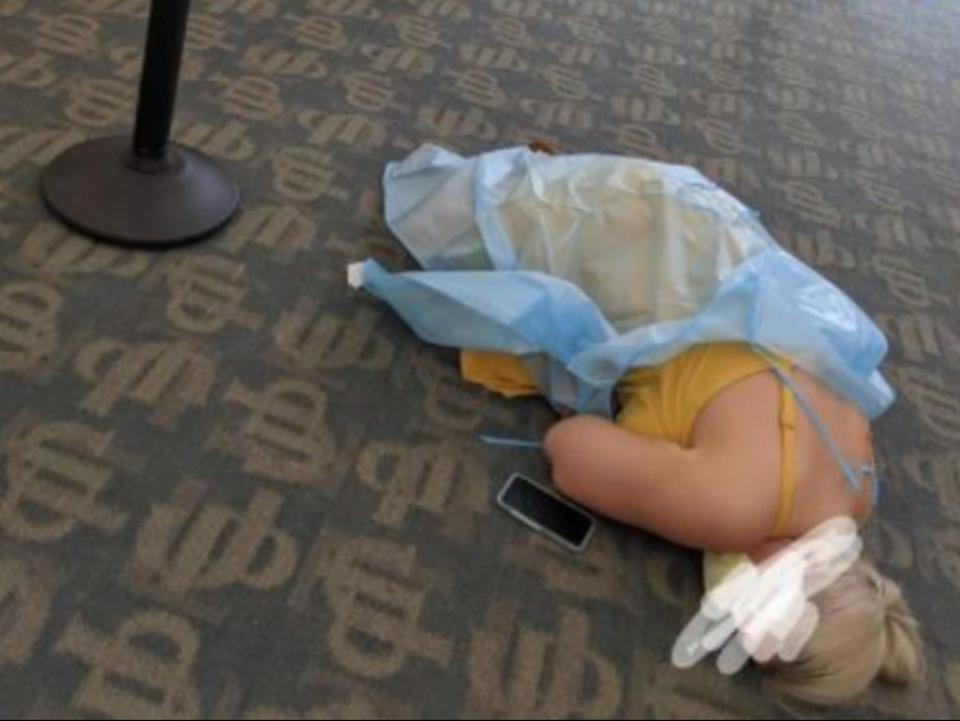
232,489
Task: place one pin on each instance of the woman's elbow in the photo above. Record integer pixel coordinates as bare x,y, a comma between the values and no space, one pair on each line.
567,444
562,439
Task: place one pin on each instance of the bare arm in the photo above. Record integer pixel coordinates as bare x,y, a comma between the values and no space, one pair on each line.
697,497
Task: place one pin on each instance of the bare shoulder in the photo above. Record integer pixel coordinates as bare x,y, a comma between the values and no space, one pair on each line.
822,489
739,432
744,422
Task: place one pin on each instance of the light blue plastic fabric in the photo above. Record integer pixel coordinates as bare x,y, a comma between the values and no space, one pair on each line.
590,265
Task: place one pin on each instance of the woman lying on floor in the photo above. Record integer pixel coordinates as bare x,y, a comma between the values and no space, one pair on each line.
709,451
617,284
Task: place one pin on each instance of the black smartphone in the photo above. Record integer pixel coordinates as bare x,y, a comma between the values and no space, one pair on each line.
545,511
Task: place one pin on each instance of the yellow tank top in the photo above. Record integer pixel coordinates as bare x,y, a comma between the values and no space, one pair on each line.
661,402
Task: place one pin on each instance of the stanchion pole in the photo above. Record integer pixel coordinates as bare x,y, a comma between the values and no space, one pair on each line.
148,193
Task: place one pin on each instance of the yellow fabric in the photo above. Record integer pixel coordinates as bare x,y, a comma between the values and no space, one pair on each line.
717,566
499,372
788,465
661,402
664,402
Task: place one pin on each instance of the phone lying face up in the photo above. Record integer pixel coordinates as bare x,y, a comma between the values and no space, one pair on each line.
546,512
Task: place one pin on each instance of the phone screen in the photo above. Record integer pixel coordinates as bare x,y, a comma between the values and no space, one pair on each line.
546,511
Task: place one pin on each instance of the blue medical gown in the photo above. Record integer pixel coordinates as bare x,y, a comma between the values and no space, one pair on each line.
590,265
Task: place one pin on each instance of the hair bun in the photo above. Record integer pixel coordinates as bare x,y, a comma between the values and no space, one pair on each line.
904,662
890,595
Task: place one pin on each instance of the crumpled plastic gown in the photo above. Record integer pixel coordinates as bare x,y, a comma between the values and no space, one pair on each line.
590,265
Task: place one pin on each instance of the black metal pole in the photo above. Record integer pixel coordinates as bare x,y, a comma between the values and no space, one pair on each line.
166,34
148,192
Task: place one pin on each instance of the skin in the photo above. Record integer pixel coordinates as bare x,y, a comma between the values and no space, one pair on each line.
722,493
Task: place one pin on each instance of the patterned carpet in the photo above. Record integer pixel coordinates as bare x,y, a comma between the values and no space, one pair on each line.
232,489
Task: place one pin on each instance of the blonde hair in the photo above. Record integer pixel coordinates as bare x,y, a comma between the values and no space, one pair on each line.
866,632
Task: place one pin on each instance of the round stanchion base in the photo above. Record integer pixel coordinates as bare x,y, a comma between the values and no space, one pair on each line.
102,189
